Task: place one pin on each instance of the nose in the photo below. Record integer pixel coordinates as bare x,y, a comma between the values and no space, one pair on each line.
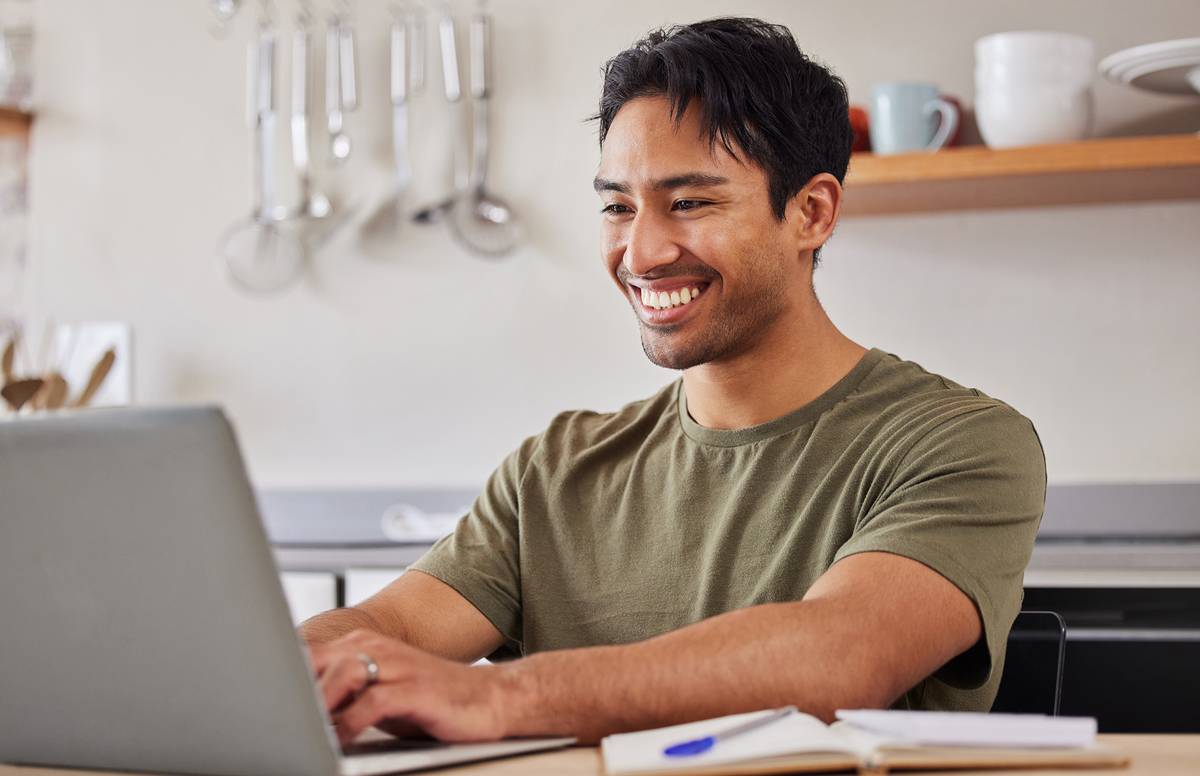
650,242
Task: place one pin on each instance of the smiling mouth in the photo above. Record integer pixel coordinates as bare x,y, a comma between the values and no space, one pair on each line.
664,300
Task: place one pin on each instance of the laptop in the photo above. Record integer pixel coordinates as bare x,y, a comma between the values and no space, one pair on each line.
142,622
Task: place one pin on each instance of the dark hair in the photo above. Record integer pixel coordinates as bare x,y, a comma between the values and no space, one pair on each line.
756,91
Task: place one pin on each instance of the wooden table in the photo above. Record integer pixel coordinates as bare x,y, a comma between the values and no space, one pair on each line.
1153,755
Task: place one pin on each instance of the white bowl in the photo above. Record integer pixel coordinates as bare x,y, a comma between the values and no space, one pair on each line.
1032,115
1068,75
1035,46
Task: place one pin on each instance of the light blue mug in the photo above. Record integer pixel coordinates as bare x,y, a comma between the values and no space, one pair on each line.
910,117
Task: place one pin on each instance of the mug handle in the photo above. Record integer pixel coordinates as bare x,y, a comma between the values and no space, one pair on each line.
946,125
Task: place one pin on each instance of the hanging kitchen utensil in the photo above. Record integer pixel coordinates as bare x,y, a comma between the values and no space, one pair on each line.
341,94
437,211
223,12
262,254
483,223
313,204
383,226
346,61
416,51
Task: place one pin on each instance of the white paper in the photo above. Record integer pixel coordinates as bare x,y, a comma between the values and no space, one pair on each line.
794,734
958,728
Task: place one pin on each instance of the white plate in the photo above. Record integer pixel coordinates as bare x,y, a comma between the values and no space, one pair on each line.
1157,67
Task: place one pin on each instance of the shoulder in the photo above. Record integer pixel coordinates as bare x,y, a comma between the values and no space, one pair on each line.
901,397
903,419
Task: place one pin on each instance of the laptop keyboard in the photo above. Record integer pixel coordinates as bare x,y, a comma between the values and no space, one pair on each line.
382,746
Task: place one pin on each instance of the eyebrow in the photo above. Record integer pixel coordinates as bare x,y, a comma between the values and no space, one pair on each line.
697,179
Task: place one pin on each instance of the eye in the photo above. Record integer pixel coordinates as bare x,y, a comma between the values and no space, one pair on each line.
689,204
615,208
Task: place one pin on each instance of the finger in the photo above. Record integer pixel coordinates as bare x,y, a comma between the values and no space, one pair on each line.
343,679
321,656
378,704
353,643
357,638
401,729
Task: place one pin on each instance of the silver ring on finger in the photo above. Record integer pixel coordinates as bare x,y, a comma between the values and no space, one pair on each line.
371,666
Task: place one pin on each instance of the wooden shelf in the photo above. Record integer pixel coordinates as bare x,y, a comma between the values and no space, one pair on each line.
1133,169
14,122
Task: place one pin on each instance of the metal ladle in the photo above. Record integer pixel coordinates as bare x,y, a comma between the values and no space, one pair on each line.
434,213
483,223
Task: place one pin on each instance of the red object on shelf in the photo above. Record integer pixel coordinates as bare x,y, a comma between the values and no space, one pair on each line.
956,138
861,126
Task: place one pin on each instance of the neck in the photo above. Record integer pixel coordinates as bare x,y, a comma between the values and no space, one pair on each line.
802,357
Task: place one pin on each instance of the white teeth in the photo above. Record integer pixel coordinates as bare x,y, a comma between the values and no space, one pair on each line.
663,300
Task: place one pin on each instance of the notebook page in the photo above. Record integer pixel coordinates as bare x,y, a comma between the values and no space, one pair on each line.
974,729
794,734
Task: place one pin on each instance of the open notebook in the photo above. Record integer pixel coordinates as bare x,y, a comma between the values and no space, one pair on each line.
799,743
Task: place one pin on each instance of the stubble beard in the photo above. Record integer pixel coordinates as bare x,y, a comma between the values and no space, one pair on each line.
734,326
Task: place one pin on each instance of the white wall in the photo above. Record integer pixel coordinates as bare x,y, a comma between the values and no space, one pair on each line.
426,366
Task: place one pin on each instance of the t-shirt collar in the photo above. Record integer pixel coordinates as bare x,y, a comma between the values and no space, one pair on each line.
785,423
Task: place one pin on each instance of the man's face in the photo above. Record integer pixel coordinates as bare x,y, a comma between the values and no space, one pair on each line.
690,238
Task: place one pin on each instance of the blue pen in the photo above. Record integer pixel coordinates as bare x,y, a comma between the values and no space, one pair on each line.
689,748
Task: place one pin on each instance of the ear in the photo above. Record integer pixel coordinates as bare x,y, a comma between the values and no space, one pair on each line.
816,208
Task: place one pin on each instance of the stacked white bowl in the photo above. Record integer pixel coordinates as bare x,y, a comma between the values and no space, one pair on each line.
1033,87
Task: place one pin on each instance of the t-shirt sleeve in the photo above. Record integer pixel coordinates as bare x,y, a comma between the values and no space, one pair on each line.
965,499
481,559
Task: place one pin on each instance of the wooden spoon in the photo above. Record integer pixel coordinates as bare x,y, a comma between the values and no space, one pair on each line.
98,374
54,394
18,392
6,362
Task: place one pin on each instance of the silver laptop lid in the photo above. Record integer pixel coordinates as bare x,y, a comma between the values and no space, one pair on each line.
142,624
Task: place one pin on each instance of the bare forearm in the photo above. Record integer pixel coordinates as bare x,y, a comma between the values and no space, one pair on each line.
872,627
332,625
418,610
762,657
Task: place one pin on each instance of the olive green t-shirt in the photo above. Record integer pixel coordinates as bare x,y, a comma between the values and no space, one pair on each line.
613,528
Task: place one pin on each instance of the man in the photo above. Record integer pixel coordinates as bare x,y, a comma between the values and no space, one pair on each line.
798,520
